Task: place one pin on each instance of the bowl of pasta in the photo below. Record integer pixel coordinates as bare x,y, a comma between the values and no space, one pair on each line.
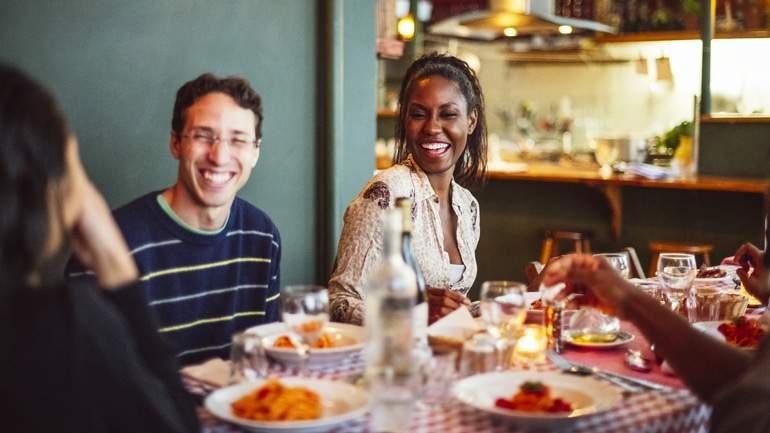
537,400
288,404
337,342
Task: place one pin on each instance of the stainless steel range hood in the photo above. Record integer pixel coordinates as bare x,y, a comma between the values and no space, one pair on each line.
525,17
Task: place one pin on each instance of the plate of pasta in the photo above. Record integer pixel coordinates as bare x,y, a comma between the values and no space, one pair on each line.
337,341
288,404
537,400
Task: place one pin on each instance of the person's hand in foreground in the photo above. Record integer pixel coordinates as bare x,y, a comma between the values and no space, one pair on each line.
752,271
96,239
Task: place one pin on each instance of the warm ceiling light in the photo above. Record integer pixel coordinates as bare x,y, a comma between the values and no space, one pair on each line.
565,30
510,32
405,28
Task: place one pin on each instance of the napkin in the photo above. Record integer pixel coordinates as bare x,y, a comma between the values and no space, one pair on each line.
648,170
458,324
214,372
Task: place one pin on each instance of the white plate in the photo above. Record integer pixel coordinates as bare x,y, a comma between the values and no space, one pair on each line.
623,339
710,328
587,396
340,401
351,334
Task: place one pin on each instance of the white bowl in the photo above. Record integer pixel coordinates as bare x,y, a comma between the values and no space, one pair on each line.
351,336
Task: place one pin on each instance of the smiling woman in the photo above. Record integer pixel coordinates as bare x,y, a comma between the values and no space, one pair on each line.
441,148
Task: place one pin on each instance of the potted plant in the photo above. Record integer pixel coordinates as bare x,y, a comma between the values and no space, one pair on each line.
690,14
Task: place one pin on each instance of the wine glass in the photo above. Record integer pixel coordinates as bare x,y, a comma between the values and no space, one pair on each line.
676,273
607,151
503,307
503,310
305,313
618,261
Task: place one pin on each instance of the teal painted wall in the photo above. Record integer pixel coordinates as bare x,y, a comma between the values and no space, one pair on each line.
115,67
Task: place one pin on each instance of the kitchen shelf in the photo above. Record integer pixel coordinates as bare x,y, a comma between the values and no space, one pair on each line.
676,36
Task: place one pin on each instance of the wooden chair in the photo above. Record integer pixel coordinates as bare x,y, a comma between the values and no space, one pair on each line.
532,271
634,265
657,247
552,238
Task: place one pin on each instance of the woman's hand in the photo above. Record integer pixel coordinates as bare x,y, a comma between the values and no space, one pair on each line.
96,239
749,256
592,276
443,301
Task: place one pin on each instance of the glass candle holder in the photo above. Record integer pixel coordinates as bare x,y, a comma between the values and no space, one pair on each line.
531,345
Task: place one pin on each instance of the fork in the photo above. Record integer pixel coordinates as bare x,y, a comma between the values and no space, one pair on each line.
582,370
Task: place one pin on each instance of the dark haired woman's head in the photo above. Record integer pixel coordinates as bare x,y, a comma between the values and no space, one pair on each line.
441,120
235,87
33,142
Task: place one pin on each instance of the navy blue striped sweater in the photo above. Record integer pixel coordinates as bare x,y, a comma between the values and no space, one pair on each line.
204,287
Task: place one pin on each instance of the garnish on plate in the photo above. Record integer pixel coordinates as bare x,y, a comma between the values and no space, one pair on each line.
534,397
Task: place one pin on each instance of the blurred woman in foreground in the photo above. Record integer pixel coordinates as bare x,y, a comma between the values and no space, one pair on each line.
82,359
441,141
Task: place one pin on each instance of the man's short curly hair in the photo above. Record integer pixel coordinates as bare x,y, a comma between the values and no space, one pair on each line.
236,87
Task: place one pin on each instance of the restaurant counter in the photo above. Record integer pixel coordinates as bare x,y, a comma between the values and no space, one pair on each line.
619,211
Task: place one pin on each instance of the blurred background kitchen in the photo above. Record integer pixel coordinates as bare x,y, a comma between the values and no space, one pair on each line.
597,119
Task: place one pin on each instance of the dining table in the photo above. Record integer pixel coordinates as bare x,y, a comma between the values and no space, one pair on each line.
674,409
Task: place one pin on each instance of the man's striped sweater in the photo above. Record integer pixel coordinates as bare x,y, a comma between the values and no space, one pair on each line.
204,286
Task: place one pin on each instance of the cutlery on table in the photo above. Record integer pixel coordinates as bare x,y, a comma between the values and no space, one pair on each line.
628,383
635,362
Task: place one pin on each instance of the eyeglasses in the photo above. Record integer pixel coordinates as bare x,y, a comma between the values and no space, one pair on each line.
206,139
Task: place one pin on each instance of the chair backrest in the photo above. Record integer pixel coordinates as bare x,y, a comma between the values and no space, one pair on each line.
634,265
532,270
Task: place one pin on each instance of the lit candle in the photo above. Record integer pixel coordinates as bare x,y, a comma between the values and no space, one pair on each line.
531,345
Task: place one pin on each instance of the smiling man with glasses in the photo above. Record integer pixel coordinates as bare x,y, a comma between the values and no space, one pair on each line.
209,261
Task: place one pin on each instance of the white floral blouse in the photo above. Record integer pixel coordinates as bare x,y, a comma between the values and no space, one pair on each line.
361,242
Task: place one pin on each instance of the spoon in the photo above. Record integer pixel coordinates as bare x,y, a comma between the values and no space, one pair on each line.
634,361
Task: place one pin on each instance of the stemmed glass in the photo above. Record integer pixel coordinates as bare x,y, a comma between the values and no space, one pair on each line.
676,273
503,310
618,261
607,152
305,313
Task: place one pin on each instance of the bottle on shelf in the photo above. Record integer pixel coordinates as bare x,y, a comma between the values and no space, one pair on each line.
391,371
405,205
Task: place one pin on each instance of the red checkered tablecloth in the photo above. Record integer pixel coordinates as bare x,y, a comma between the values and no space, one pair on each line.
648,412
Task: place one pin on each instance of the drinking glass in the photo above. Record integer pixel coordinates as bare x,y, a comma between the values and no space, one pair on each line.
618,261
437,373
248,361
480,354
676,273
503,310
607,152
305,313
503,307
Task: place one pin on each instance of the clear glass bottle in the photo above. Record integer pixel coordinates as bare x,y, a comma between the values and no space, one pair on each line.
391,372
405,205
